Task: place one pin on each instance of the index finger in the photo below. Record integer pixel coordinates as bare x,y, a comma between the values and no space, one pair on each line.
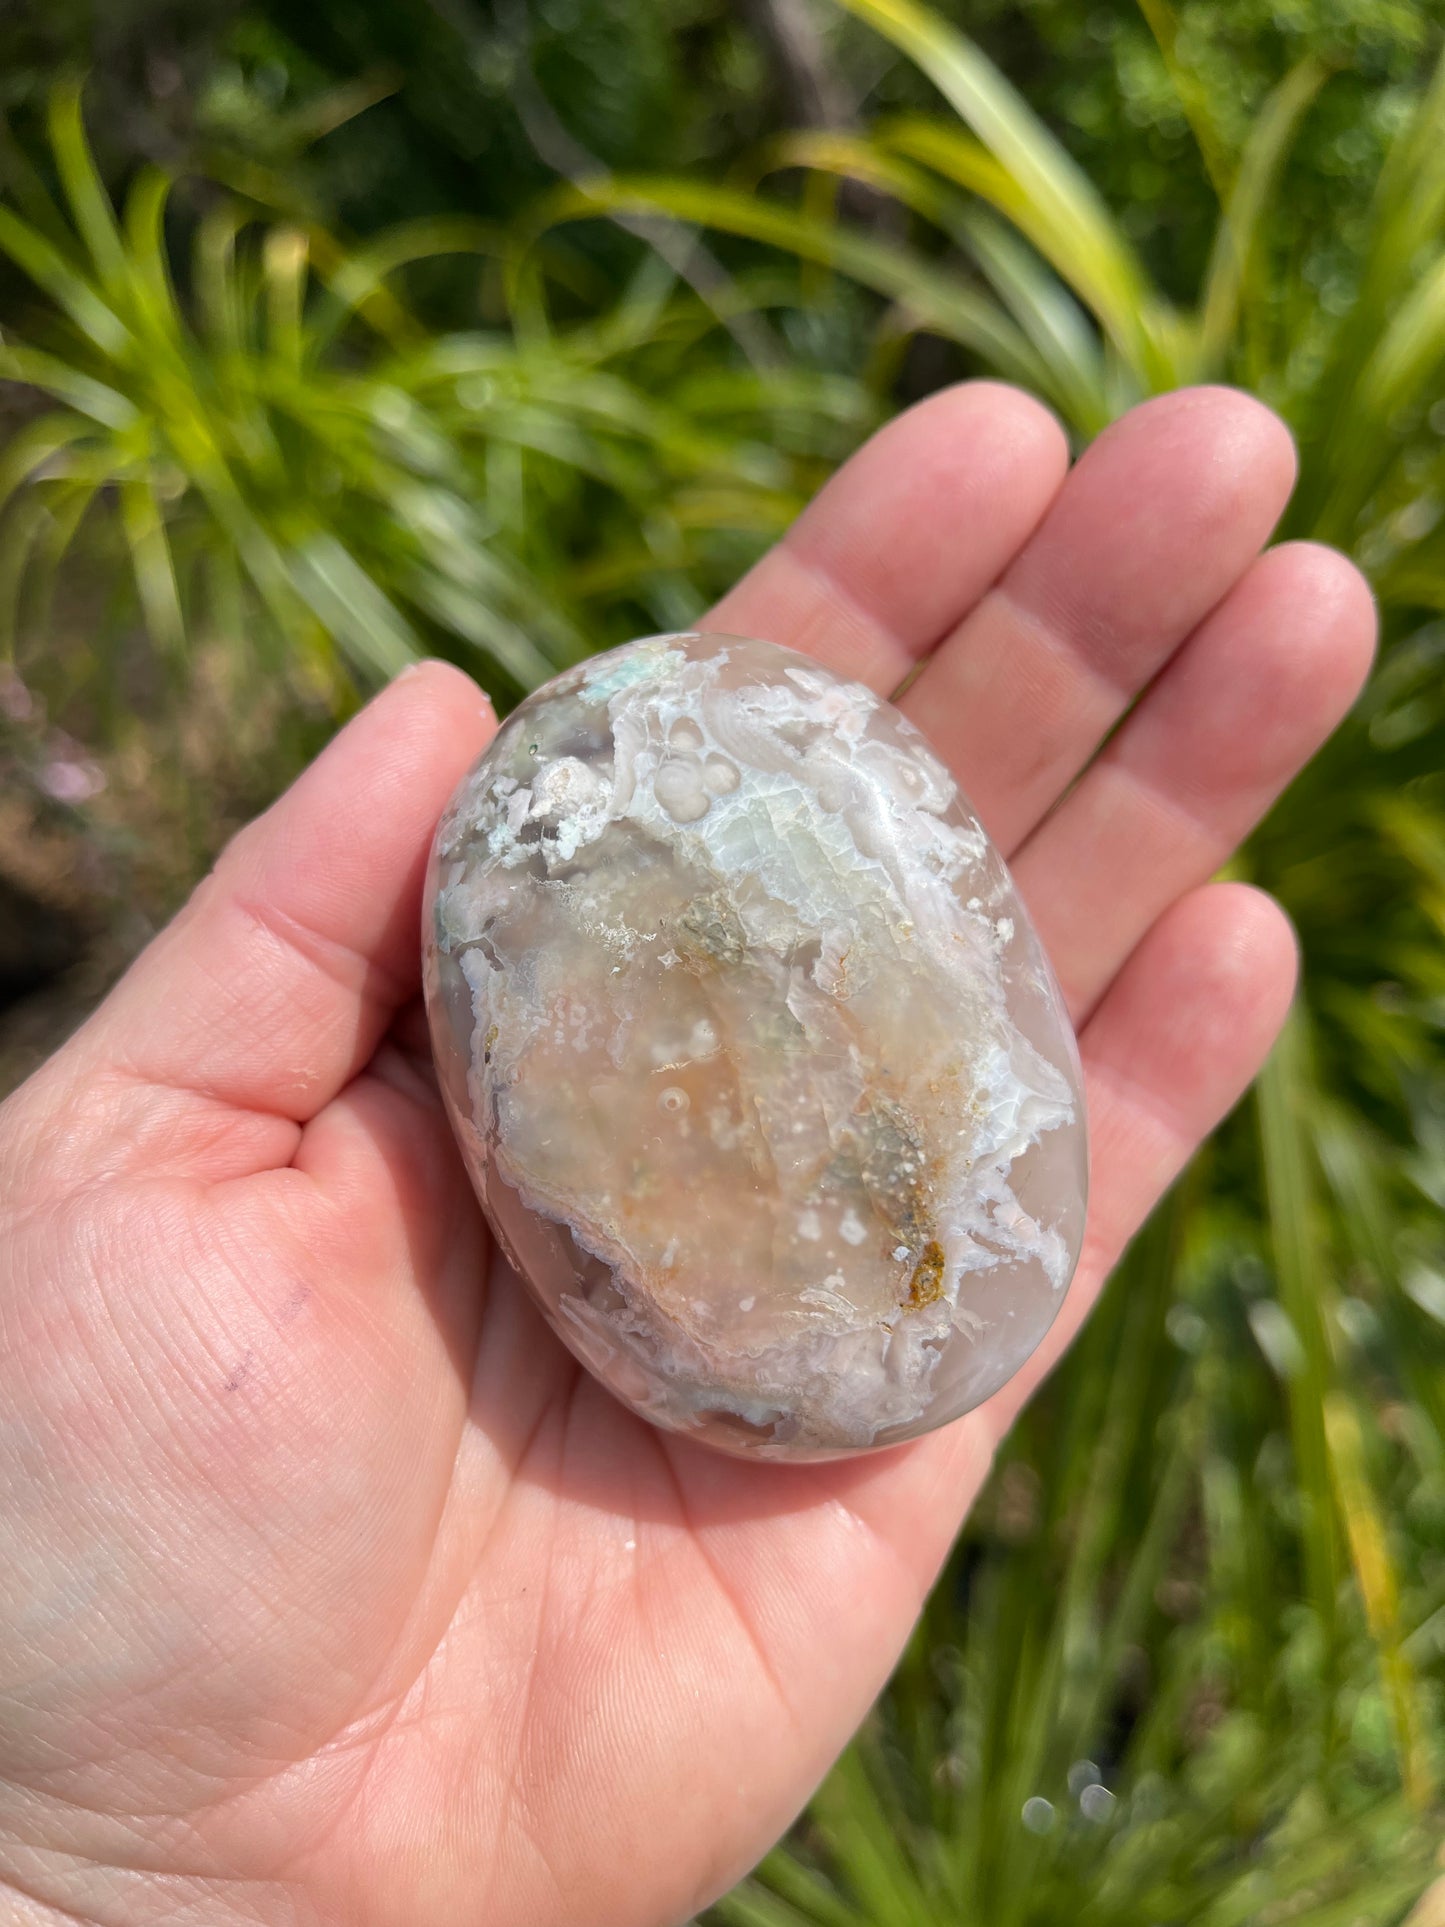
907,536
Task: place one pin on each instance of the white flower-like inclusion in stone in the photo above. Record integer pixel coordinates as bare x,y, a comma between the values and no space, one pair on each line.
753,1056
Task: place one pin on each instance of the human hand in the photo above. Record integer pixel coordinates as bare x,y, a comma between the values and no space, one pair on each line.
331,1589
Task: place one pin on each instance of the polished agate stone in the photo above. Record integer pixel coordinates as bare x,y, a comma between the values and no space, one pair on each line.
754,1059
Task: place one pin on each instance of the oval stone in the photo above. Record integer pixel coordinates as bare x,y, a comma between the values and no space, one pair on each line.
754,1058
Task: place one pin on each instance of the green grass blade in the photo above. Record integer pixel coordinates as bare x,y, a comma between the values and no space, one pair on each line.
82,392
751,1905
1379,1588
459,608
1403,371
1340,447
1199,110
860,1833
40,259
153,297
941,302
957,156
1076,230
356,281
1283,1095
1050,318
89,203
1239,237
350,604
1410,197
153,565
283,271
1038,302
222,311
1043,305
810,1896
1400,373
30,448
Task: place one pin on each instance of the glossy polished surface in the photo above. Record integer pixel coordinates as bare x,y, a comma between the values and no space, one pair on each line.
753,1057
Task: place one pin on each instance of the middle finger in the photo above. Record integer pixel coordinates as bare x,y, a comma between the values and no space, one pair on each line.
1154,524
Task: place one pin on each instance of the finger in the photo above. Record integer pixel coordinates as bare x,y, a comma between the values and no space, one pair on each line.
1247,701
274,985
907,535
1158,519
1171,1049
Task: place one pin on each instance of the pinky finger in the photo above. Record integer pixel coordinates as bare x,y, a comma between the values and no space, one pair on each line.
1183,1029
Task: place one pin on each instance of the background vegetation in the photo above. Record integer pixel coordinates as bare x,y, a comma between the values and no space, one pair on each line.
510,330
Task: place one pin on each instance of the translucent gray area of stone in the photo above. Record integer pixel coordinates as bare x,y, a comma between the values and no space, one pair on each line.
754,1059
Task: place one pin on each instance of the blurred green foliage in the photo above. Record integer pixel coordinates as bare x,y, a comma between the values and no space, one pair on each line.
1156,102
383,378
694,84
298,464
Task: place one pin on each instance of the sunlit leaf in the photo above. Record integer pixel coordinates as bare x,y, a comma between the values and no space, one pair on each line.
935,299
1239,236
1073,225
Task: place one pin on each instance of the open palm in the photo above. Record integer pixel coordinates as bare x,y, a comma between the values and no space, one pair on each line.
330,1589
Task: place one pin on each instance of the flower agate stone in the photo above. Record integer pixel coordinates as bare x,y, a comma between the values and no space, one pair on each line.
754,1059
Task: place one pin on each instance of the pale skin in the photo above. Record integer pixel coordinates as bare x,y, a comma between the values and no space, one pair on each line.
331,1590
